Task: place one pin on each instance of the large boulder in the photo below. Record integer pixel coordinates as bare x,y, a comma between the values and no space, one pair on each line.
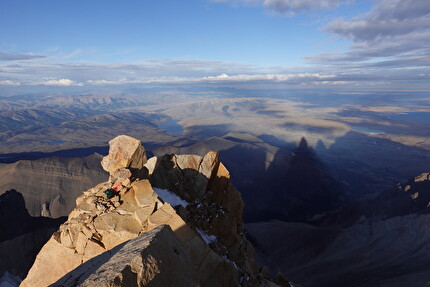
124,152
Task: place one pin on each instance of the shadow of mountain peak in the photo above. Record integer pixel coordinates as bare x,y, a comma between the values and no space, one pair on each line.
21,235
15,219
304,152
13,214
303,145
12,203
304,186
320,146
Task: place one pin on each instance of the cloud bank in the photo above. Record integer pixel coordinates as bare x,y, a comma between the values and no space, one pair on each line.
291,7
17,57
286,7
9,83
394,33
170,71
59,82
387,19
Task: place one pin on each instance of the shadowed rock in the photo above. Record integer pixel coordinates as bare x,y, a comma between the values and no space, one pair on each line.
382,241
21,235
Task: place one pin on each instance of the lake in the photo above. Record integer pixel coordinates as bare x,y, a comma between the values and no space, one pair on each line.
56,142
172,127
367,130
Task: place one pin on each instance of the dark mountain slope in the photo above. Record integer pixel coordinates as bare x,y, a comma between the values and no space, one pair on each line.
304,187
381,241
22,236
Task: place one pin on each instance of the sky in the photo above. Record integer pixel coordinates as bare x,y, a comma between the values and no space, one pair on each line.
347,44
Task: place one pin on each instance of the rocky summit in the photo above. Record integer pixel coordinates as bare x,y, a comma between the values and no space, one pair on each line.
171,220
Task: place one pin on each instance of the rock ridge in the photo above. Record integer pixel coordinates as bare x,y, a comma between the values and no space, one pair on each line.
190,194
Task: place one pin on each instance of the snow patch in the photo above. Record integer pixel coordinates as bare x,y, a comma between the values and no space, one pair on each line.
231,262
208,239
170,197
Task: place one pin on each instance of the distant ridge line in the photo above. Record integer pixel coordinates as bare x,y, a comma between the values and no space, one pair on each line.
75,152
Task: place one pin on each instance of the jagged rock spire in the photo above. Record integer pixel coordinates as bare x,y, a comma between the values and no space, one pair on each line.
124,152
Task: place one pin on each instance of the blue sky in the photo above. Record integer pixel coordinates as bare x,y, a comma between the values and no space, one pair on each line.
328,42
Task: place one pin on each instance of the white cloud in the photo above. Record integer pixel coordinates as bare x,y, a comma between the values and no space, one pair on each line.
304,77
60,82
269,77
9,83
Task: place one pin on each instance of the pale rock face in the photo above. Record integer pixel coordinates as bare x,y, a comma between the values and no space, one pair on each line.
209,164
144,195
121,174
139,262
45,210
422,177
150,165
191,161
99,225
52,252
124,152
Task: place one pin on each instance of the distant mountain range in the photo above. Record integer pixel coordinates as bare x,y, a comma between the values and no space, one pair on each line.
319,228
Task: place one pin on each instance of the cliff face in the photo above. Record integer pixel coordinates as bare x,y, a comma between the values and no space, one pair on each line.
191,194
50,185
35,192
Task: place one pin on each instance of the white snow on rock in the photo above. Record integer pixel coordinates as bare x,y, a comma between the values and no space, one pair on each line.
232,263
170,197
206,238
